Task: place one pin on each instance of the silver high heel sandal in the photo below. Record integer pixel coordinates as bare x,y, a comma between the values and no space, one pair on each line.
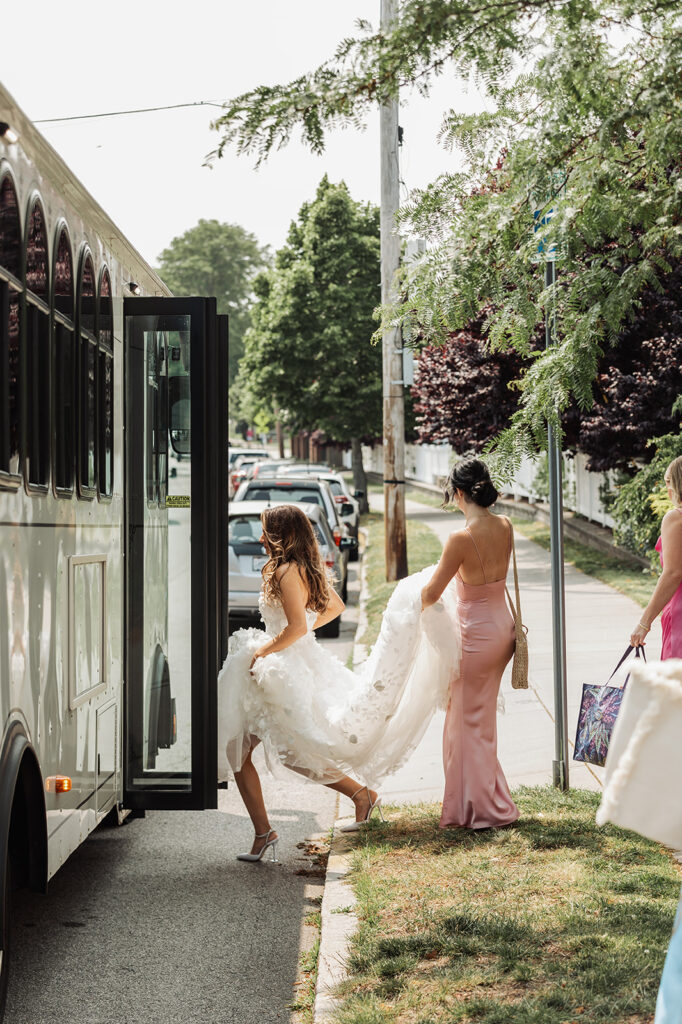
355,826
271,844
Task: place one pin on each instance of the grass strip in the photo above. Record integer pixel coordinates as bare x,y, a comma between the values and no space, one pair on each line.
423,548
303,1007
550,921
629,579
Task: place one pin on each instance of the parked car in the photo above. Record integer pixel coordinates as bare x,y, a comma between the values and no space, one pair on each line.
241,466
247,557
347,505
285,488
304,468
268,466
342,496
236,453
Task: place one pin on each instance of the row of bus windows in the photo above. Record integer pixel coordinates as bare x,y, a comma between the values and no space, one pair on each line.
56,360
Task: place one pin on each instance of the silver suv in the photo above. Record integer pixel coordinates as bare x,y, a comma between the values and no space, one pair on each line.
280,489
246,558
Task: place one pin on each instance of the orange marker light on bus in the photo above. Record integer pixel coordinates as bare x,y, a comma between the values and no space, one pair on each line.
58,784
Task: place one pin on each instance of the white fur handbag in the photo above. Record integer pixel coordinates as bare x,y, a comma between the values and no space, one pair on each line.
642,789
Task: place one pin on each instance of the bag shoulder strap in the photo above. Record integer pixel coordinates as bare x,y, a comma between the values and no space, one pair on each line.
516,609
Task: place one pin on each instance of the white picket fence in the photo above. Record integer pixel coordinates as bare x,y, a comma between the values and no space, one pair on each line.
430,463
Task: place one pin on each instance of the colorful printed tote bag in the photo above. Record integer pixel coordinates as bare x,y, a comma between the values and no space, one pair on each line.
599,709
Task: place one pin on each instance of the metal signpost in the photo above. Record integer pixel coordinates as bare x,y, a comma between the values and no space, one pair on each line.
549,255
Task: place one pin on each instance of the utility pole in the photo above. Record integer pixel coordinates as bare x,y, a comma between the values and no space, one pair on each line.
392,347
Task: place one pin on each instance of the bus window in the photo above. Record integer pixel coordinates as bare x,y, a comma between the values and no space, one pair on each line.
10,289
105,412
179,405
87,378
38,350
64,366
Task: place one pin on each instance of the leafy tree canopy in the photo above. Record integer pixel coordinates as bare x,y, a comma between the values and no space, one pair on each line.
309,352
587,97
216,259
465,394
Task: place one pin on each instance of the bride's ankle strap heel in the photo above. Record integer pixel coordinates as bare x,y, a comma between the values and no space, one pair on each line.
355,826
270,844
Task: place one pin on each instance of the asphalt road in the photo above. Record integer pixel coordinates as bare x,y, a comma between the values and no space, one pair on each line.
156,921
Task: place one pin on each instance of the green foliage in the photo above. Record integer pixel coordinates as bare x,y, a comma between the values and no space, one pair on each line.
308,352
221,260
590,128
602,114
642,502
430,36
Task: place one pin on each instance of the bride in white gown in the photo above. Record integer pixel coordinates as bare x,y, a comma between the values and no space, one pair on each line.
312,714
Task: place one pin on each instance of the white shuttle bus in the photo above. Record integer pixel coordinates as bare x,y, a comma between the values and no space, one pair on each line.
113,485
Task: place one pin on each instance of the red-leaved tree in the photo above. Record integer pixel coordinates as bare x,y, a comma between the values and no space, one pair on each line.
462,391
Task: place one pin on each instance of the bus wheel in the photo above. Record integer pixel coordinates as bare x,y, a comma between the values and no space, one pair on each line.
6,928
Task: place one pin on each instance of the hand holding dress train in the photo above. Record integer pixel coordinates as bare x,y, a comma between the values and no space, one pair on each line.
321,719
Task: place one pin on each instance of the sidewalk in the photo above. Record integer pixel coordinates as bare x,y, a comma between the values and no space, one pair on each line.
598,625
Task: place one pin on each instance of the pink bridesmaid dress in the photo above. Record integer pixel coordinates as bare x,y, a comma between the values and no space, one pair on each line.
476,791
671,618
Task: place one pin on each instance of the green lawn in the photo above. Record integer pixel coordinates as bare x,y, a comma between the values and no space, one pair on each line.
551,921
629,578
423,548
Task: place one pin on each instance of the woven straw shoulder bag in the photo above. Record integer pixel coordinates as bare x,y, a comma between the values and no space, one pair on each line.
519,676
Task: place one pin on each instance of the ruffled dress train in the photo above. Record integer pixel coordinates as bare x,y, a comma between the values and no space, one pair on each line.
315,716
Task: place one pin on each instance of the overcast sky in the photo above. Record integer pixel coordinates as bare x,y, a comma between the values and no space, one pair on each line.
146,169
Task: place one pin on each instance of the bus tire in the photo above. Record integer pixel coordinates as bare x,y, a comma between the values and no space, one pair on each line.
5,931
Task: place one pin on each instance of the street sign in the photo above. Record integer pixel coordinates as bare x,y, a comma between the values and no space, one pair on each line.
545,251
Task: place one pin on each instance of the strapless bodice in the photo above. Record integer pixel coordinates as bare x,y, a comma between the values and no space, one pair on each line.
274,618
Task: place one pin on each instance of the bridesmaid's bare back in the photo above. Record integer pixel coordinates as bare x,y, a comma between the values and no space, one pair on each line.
486,546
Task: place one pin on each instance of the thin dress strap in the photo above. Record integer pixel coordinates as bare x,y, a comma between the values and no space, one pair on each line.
485,579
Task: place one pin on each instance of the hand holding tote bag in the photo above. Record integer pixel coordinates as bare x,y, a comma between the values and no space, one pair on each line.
644,766
599,709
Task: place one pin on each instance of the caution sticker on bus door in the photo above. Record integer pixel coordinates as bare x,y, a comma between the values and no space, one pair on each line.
178,501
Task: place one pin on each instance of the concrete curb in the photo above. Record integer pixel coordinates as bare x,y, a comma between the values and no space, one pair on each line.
338,921
338,925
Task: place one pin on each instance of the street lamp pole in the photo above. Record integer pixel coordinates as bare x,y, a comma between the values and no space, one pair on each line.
392,348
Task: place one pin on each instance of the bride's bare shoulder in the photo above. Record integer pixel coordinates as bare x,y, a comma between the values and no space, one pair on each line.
292,570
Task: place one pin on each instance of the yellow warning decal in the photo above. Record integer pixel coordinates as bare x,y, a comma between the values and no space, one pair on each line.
178,501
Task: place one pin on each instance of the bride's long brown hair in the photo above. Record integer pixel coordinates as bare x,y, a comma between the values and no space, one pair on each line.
290,538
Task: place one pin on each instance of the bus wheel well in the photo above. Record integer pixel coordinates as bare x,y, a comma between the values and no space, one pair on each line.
25,820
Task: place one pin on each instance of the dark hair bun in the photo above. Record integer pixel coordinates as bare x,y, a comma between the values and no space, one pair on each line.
484,493
473,478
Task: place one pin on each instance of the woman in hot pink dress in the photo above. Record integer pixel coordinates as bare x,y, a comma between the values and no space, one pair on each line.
476,791
666,599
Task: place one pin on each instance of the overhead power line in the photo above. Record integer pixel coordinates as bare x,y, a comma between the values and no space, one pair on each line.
121,113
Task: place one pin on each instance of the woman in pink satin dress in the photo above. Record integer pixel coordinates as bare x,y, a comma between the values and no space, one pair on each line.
666,599
476,791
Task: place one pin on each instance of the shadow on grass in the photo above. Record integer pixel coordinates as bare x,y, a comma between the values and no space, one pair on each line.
549,820
593,949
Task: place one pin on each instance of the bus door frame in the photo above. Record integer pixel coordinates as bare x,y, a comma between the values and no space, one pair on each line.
209,456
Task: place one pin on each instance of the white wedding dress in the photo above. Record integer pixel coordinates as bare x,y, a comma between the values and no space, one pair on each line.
315,716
